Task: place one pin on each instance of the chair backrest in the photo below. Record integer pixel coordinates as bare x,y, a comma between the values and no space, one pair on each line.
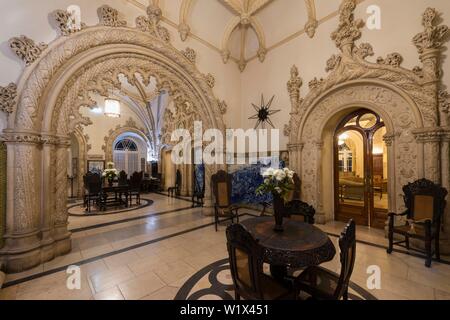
93,183
123,178
246,264
221,182
300,208
136,180
296,192
347,244
425,200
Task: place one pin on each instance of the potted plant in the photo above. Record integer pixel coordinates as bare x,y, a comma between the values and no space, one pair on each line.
110,173
278,182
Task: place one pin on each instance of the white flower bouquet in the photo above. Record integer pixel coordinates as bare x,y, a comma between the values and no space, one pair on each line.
278,182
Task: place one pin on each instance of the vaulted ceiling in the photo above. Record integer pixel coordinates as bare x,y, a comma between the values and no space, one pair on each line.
244,30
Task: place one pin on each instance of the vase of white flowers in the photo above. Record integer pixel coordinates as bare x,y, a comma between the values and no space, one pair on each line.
110,173
279,182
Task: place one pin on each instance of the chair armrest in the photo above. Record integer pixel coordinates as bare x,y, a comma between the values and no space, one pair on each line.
393,214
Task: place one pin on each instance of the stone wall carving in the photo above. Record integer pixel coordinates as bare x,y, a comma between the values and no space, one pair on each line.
151,23
110,17
433,35
26,49
8,97
222,106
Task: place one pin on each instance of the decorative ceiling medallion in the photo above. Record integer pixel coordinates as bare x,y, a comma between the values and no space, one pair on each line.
263,113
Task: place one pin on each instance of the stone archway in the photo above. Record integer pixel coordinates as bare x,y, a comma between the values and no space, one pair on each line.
408,101
55,85
83,149
108,147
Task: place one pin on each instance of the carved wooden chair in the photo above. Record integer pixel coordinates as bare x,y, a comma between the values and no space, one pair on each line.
222,188
94,191
199,185
246,264
322,284
425,204
176,190
297,208
135,187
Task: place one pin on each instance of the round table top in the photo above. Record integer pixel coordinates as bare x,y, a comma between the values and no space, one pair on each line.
299,245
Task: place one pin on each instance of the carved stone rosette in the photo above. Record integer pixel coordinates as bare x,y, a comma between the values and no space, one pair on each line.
190,54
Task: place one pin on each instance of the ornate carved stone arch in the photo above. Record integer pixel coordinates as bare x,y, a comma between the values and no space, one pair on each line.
57,82
83,149
407,100
108,147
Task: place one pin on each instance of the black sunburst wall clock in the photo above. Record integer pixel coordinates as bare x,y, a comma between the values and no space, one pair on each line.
263,113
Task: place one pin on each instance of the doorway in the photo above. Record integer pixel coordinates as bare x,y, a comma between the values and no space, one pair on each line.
360,167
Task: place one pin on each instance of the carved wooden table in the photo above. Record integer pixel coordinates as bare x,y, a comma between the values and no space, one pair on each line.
300,245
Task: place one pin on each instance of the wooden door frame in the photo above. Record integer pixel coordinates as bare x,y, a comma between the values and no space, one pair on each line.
367,135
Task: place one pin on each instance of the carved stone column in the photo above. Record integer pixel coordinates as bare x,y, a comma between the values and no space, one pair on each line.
321,217
392,192
431,140
295,156
23,236
61,235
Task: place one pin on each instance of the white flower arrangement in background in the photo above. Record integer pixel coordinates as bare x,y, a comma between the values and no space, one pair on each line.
110,173
277,181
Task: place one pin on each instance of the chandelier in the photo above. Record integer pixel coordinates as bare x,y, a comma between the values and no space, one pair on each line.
112,108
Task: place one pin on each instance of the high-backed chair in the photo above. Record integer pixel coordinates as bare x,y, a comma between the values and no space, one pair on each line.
199,185
425,204
246,264
94,191
135,187
176,190
123,178
221,186
297,208
323,284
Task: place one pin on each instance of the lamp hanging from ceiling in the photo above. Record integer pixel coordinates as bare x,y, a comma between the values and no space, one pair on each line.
112,108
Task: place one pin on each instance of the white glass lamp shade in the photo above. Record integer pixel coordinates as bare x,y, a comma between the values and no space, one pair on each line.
112,108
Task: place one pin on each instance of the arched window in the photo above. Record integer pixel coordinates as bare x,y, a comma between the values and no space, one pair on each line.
126,156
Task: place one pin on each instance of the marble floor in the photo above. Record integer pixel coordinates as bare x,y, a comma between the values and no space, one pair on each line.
151,252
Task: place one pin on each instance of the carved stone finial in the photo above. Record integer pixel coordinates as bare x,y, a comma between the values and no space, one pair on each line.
349,28
433,35
26,49
394,59
333,62
363,51
262,52
210,80
151,23
223,107
110,17
293,86
8,98
190,54
310,27
315,83
66,23
184,31
242,65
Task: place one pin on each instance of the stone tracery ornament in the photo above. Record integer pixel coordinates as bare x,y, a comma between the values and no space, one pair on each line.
8,96
110,17
190,54
333,62
66,22
363,51
26,49
444,107
151,23
433,35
